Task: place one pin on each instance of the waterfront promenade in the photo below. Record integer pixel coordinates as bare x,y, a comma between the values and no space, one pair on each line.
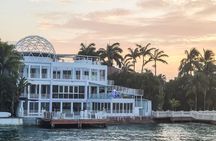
175,116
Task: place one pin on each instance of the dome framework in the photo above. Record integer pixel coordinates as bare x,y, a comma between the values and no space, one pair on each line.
35,46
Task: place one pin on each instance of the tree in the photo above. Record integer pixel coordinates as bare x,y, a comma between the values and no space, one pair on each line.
197,84
174,103
158,56
208,69
20,85
126,66
111,54
145,52
10,61
191,63
132,55
89,50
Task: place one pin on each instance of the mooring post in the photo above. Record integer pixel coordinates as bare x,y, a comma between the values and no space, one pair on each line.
79,125
52,125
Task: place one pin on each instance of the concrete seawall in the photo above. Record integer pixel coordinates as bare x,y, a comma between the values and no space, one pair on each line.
11,121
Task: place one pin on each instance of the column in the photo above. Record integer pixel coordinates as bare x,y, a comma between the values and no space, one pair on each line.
39,109
86,90
28,107
97,91
40,72
98,75
39,91
81,106
61,107
111,108
51,88
29,67
71,107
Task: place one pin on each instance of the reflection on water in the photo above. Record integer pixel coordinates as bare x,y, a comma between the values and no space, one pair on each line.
156,132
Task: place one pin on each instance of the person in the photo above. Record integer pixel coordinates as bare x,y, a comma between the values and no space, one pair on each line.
114,93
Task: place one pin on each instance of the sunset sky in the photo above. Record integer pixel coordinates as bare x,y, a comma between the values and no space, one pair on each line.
170,25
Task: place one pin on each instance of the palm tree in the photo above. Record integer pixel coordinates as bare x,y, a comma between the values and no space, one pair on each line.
19,87
190,63
144,52
132,55
197,84
9,59
89,50
126,66
9,68
208,60
158,56
174,103
111,54
208,68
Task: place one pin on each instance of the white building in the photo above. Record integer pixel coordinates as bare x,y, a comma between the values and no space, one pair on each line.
70,84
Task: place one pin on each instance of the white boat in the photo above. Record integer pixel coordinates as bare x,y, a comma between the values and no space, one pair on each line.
4,114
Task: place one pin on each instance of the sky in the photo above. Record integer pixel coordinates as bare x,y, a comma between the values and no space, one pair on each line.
170,25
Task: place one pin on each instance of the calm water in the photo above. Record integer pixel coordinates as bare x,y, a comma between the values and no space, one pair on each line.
155,132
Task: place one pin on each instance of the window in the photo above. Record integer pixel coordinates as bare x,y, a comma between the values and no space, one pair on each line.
66,107
55,88
55,91
81,91
56,74
94,75
34,91
102,90
78,73
71,89
93,90
67,74
44,72
66,89
102,75
35,71
45,91
33,107
45,106
86,74
56,106
60,89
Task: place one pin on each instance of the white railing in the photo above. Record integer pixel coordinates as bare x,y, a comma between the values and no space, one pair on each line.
82,115
126,90
199,115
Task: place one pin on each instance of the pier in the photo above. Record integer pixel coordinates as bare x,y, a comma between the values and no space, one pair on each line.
79,123
57,119
185,116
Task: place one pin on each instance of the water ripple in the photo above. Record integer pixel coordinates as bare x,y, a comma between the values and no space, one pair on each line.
153,132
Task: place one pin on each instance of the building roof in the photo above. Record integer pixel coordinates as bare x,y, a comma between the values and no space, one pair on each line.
35,45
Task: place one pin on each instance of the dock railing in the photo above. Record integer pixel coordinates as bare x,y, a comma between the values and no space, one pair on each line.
198,115
82,115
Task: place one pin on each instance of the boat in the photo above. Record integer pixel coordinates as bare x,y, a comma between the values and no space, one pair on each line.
5,114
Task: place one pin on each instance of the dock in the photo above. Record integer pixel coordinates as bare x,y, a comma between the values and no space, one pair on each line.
184,116
57,119
79,123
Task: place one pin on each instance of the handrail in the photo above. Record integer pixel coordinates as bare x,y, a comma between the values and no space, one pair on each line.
199,115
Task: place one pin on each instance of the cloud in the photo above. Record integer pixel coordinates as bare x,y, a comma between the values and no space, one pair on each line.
152,4
118,12
60,1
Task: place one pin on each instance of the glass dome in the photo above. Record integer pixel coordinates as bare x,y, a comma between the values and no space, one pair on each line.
35,46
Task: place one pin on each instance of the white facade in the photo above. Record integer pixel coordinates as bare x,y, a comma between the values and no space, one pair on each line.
71,84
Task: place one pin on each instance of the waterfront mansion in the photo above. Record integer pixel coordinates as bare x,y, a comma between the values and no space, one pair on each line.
70,84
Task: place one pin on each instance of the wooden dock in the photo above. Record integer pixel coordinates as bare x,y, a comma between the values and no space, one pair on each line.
79,123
